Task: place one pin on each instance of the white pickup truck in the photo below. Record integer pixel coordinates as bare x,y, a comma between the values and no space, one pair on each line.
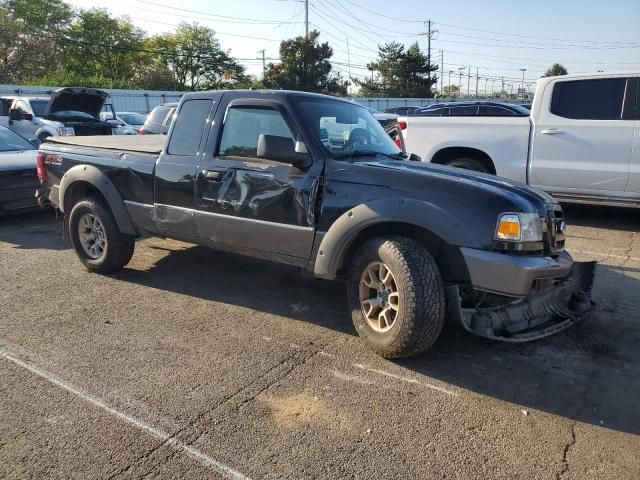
581,142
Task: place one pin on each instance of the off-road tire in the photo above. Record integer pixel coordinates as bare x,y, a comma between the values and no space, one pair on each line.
120,246
421,314
468,164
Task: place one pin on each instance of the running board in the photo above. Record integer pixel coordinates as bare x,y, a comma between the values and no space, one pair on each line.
592,200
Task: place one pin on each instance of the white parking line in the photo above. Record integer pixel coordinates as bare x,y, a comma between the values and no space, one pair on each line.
139,424
406,379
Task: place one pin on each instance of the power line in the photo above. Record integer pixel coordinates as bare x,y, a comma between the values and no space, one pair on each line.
526,35
200,12
383,15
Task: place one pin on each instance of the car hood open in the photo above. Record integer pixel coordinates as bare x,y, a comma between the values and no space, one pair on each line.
88,100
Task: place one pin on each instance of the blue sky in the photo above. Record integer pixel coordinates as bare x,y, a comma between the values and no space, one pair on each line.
498,37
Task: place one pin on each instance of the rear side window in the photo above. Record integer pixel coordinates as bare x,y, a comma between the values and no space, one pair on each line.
157,115
244,125
598,99
189,127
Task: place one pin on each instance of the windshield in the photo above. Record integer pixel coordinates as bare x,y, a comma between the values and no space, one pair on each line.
11,142
346,129
39,107
132,118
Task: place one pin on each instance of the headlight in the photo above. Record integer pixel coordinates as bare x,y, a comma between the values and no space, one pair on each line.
519,227
66,131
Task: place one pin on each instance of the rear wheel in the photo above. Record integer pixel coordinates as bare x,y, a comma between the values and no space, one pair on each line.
396,296
468,164
43,137
96,238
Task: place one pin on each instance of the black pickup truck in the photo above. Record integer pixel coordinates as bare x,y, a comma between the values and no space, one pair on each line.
316,183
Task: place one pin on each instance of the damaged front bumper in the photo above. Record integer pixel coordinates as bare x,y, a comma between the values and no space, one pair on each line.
536,316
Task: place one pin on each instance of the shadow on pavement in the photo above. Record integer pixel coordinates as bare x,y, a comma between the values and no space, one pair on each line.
621,219
587,373
36,230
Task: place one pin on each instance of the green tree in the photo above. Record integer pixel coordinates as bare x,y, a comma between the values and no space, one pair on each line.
196,58
555,70
450,90
402,73
304,65
100,45
30,32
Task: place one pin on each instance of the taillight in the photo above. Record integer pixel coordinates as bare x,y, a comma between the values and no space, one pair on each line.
398,141
42,174
141,131
403,125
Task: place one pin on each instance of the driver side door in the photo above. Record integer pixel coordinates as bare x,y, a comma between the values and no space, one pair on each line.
250,204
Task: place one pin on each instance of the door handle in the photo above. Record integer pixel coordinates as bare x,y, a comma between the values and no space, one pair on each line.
213,176
551,131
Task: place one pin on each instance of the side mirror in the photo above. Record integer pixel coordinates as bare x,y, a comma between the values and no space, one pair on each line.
15,114
282,149
415,158
35,142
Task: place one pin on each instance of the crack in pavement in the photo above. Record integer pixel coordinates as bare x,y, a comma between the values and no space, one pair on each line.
236,400
565,462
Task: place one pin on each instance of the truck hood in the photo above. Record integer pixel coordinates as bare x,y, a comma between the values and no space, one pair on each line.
88,100
484,181
18,160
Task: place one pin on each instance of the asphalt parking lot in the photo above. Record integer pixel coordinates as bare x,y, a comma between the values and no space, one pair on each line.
196,364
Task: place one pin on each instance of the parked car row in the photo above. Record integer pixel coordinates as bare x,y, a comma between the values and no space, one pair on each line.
468,108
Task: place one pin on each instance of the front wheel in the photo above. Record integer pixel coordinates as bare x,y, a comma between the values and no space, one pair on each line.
396,296
96,238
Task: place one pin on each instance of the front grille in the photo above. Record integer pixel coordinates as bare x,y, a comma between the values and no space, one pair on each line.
87,130
554,236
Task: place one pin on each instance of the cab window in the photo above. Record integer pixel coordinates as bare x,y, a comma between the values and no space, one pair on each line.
593,99
189,127
244,125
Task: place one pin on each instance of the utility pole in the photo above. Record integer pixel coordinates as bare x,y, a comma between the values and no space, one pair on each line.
264,64
485,86
469,82
460,69
441,71
522,89
306,18
449,83
429,34
477,79
348,64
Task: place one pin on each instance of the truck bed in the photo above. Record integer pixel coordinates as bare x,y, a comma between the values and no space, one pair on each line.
153,144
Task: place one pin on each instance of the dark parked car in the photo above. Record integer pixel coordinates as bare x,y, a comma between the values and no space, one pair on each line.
402,110
473,109
284,176
159,120
18,179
